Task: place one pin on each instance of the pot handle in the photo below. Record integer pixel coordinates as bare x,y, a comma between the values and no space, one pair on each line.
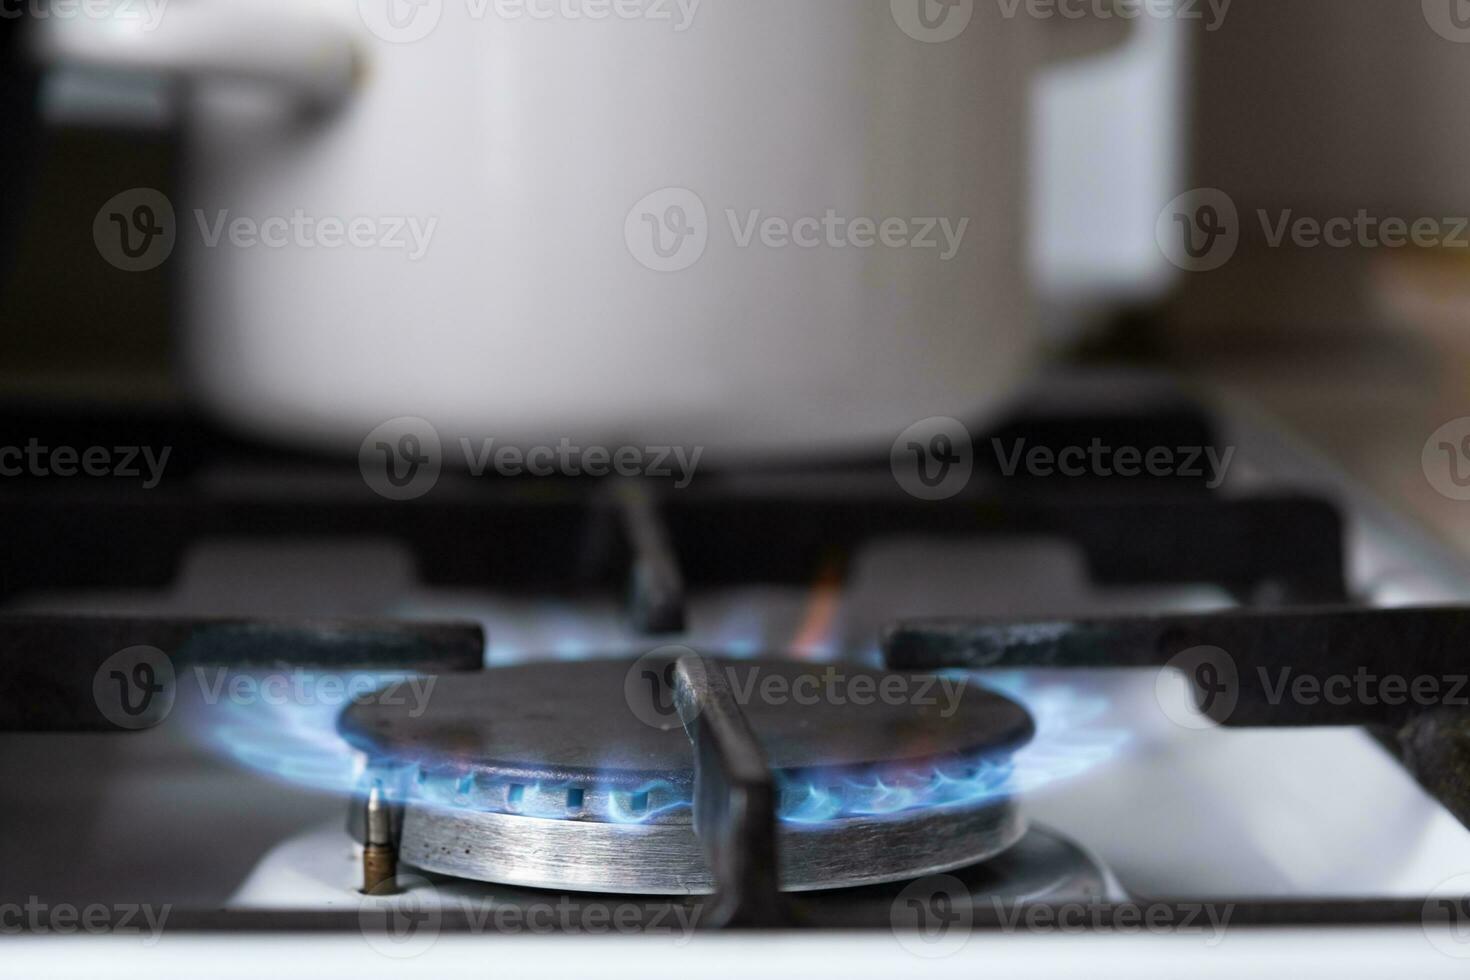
308,59
1092,29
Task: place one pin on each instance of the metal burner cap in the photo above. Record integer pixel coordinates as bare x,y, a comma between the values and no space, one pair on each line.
612,722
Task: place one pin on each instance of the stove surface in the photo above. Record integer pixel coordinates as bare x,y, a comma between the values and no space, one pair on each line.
1124,792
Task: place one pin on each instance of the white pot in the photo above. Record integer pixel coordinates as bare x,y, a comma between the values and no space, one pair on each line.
537,157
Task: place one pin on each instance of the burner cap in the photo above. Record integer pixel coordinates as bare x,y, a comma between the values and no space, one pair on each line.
579,775
550,722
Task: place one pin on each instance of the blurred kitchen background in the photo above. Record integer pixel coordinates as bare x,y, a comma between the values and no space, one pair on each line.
1318,106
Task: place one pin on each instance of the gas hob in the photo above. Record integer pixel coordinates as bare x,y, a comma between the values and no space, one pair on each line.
561,710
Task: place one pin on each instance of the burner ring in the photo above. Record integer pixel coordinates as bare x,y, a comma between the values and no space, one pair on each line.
568,855
552,775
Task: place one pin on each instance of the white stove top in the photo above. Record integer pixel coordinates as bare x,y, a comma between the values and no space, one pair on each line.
1170,810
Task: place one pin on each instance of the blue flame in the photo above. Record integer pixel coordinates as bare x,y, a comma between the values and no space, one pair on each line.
807,799
294,743
660,799
299,744
1069,741
1072,736
561,800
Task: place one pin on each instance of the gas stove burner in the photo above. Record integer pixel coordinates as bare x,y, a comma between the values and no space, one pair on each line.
578,776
